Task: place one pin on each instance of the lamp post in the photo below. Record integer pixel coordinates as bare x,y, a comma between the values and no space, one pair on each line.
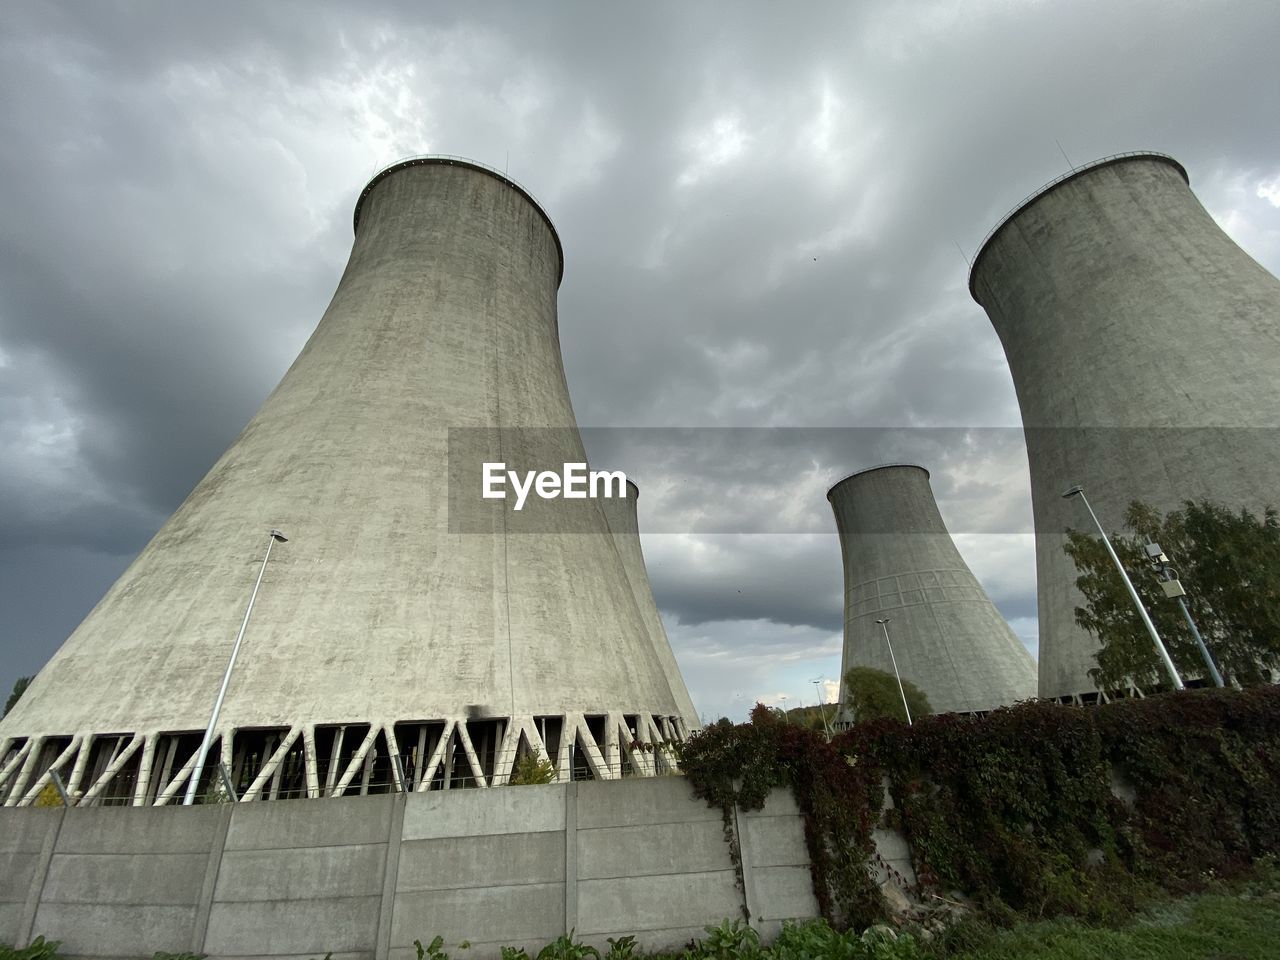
1172,587
1078,490
190,797
884,625
817,692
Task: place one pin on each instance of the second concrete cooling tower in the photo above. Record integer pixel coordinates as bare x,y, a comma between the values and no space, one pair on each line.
625,525
1144,347
900,563
391,646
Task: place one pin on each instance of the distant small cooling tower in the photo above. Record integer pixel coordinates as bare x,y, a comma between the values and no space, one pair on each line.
1144,347
900,563
625,525
392,646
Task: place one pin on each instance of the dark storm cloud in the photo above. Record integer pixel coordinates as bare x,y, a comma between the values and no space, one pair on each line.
760,215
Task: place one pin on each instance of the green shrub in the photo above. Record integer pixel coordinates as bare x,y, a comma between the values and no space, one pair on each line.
739,764
566,948
872,694
729,941
532,768
434,950
1016,810
48,797
38,949
624,948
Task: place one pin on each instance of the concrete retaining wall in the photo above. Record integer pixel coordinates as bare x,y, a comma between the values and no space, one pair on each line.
364,877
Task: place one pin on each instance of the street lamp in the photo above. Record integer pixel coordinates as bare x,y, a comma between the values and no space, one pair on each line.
884,625
1172,587
1078,490
274,537
817,692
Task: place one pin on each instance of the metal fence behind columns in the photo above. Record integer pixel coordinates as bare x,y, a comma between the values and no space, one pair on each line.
218,793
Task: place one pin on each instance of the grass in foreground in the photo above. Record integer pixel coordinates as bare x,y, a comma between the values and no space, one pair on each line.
1217,926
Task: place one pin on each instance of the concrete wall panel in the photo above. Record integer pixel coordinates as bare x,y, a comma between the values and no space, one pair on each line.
140,830
528,809
152,879
779,803
294,823
11,917
274,927
890,844
784,893
301,874
25,829
116,929
660,800
500,859
496,914
656,902
773,841
17,870
658,868
697,845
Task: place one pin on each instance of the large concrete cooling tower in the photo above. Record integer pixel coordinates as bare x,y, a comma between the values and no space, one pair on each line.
383,627
626,533
900,563
1144,346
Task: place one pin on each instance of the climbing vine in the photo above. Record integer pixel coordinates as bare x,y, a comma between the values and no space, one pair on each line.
1035,810
740,764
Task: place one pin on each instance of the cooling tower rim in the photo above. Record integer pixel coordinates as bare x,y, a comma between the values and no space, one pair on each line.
444,159
879,466
1052,185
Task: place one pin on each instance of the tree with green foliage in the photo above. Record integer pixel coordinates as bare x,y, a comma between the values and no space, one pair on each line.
1229,564
19,689
817,718
870,694
532,768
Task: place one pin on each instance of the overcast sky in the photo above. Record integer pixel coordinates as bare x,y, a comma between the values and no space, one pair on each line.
764,209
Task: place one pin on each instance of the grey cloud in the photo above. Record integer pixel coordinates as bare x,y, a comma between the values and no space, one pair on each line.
178,184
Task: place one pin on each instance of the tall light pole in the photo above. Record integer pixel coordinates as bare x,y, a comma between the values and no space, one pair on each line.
1172,587
272,538
817,691
884,625
1078,491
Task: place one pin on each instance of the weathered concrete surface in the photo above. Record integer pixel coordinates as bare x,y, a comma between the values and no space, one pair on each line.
365,877
775,863
128,882
27,839
625,524
376,610
1144,346
901,563
649,854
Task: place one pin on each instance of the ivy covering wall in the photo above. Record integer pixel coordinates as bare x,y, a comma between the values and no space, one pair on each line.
1036,810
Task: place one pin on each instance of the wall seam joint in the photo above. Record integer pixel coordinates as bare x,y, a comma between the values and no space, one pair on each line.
390,877
213,866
